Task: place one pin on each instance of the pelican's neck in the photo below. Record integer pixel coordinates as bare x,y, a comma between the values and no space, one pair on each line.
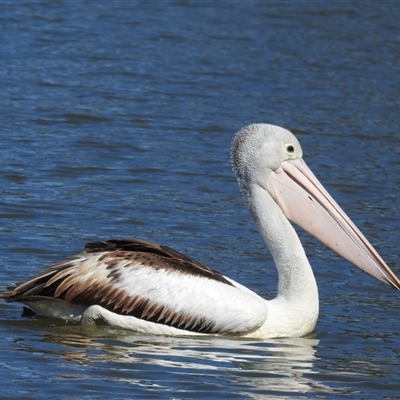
296,278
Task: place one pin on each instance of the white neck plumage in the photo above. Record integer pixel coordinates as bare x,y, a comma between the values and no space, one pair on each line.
296,278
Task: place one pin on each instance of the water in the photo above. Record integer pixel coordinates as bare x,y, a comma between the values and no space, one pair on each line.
116,121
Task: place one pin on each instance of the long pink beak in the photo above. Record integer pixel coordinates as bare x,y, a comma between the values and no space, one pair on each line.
305,202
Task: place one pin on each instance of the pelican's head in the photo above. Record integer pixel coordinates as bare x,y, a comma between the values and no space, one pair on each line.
270,157
259,149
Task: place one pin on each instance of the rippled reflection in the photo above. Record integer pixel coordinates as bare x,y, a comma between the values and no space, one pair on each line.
284,365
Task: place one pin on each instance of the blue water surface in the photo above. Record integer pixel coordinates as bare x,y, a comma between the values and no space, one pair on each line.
117,120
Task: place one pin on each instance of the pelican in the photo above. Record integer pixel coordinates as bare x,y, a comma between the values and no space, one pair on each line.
150,288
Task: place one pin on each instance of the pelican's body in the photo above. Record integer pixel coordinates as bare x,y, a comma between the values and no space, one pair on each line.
150,288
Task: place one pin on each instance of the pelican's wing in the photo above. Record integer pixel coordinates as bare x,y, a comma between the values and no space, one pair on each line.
150,282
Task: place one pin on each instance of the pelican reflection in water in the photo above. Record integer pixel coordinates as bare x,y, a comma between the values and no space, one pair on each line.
151,288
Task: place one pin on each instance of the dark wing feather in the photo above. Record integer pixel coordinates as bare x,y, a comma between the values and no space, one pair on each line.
62,281
177,261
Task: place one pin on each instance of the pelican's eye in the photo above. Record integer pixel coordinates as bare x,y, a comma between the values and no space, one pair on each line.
289,149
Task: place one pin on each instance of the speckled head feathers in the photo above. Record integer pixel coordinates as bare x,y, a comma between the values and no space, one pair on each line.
259,148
